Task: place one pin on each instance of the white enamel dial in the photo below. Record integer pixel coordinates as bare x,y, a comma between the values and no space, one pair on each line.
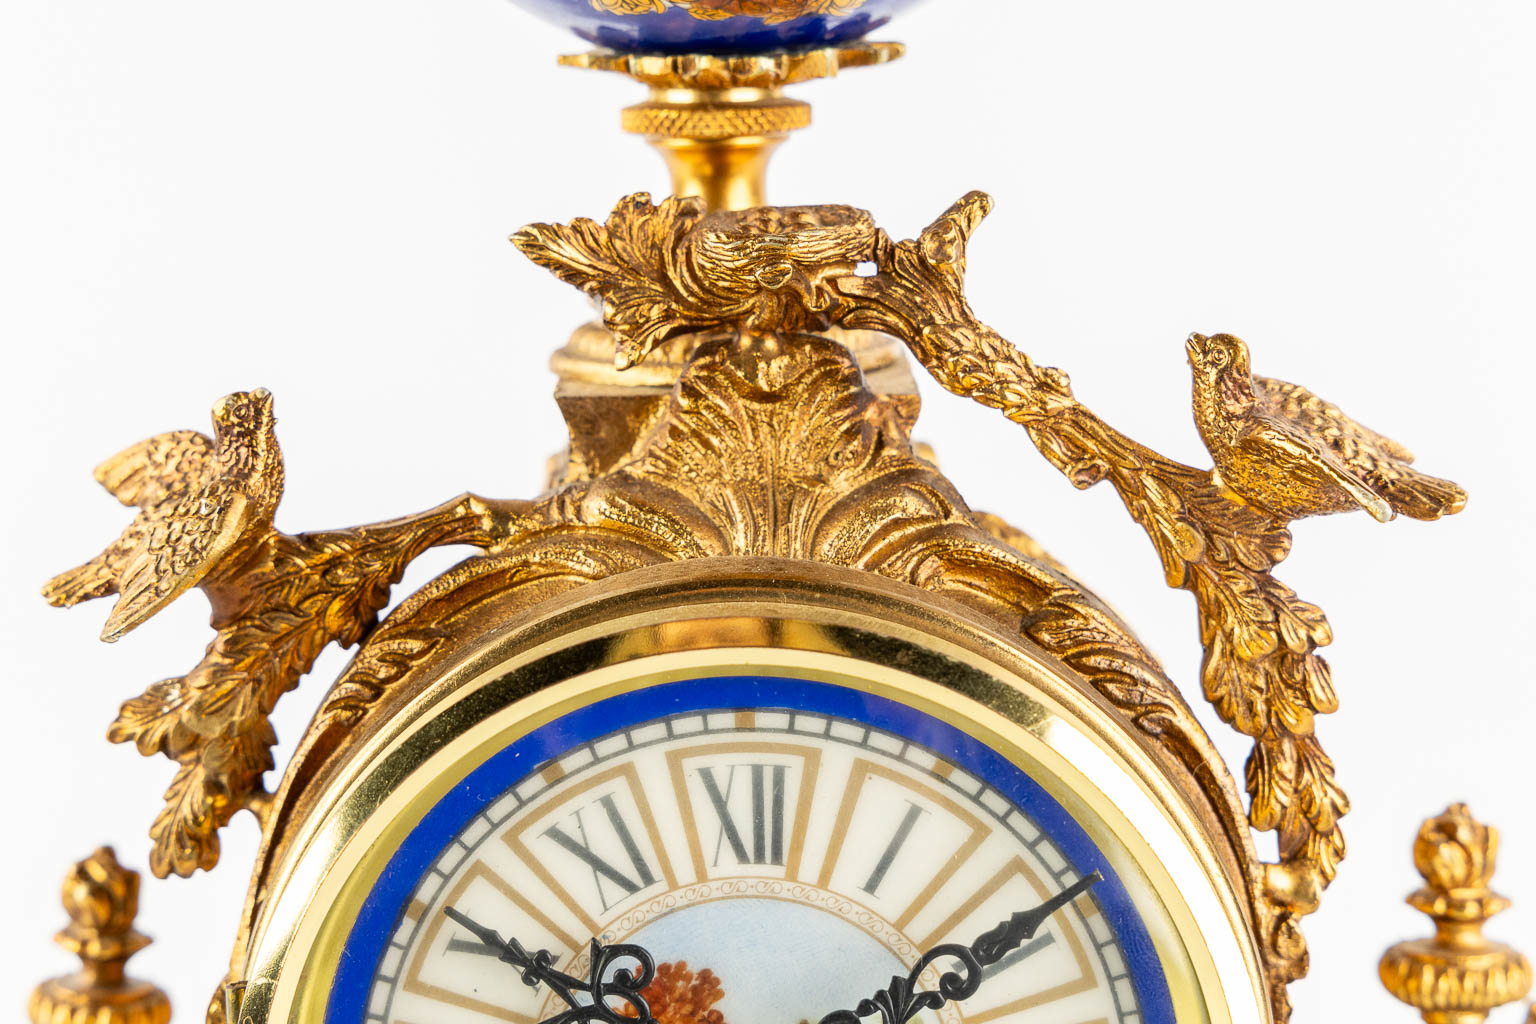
801,859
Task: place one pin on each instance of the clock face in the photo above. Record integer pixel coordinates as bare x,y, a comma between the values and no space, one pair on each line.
783,848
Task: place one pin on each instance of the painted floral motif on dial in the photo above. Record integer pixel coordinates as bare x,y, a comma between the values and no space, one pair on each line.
779,865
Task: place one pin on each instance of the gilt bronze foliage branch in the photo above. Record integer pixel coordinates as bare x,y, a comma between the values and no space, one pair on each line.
206,508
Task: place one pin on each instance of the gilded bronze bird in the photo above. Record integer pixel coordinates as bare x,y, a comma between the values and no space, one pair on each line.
206,509
1282,449
199,500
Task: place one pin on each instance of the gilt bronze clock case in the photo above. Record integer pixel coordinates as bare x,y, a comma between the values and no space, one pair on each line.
741,529
1170,861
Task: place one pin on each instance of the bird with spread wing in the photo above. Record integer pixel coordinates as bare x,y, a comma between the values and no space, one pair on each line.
1282,449
206,508
200,500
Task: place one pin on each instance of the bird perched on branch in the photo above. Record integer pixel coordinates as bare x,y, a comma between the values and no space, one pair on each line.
200,499
206,508
1282,449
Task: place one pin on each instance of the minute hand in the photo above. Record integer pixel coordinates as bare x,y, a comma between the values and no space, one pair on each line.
900,1001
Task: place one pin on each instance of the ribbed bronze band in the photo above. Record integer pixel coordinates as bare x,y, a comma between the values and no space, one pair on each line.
723,121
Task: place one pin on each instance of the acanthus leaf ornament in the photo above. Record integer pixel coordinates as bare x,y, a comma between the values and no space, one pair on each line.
629,262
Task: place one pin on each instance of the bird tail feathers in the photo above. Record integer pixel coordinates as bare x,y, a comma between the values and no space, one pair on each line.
1420,496
82,583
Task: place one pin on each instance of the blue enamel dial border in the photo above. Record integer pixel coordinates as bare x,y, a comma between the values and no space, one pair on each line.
381,912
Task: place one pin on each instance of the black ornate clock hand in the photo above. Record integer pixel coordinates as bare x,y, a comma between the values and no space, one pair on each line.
605,982
900,1001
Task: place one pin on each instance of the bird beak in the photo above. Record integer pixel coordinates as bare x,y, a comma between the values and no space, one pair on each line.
1195,346
263,396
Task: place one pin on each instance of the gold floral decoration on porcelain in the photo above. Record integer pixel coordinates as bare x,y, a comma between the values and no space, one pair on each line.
771,12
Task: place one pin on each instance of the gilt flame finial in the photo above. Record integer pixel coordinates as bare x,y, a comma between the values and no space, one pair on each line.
1458,976
102,899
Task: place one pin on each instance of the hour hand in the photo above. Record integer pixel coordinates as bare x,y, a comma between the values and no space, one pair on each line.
610,994
535,967
900,1001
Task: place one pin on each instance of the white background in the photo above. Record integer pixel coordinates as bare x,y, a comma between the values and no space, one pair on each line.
314,196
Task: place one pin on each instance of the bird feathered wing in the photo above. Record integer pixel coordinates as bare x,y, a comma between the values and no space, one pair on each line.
1289,458
184,537
142,475
150,472
1377,461
189,516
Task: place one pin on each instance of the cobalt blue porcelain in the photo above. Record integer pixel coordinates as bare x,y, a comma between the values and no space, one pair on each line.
716,26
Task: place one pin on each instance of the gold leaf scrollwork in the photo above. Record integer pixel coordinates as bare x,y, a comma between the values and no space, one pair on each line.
771,12
623,7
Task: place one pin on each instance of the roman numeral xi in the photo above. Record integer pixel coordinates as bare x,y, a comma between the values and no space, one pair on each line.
638,875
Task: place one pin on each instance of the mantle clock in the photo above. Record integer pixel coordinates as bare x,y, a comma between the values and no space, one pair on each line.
748,716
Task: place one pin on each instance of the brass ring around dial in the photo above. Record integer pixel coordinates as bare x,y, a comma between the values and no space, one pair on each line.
765,616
